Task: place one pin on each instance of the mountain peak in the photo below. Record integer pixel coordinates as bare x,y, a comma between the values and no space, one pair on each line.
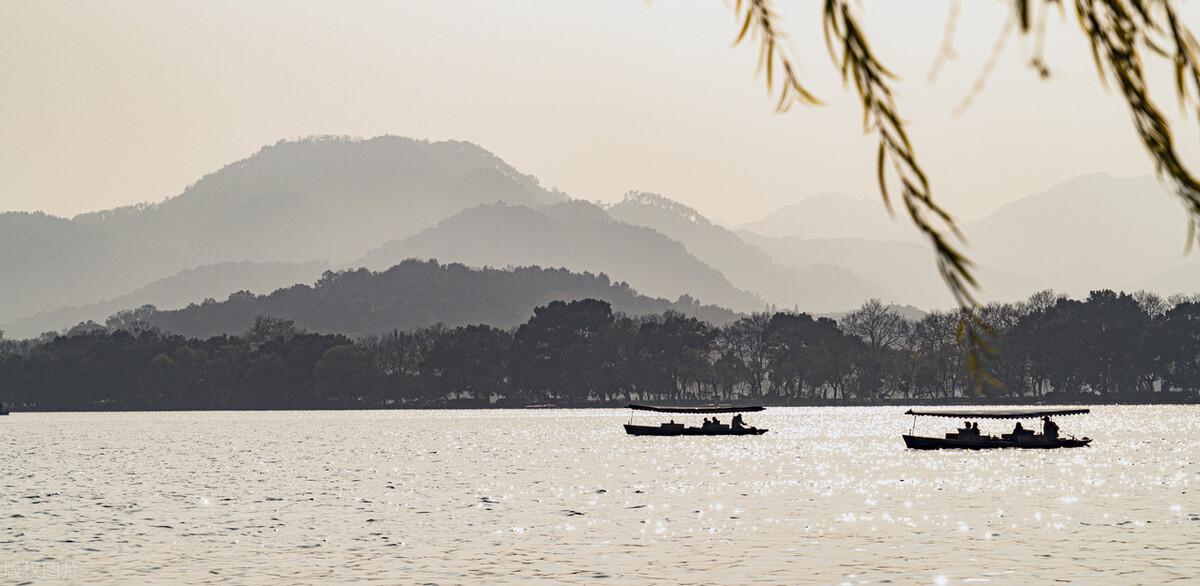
662,202
833,215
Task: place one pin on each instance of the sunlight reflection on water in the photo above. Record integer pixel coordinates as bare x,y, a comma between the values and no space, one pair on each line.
829,495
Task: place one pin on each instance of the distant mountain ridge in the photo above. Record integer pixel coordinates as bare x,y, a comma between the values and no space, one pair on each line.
834,215
818,287
1091,232
364,191
189,286
339,202
417,294
905,270
576,235
294,201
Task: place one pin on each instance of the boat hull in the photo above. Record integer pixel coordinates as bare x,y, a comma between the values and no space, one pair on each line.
989,443
680,430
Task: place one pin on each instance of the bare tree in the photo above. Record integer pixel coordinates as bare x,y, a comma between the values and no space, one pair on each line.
876,324
747,340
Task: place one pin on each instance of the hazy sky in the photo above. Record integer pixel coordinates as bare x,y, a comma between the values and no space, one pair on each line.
111,103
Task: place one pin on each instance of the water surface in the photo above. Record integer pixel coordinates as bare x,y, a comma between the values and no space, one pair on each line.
829,496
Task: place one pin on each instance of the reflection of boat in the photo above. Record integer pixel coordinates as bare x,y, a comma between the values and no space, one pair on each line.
971,439
735,427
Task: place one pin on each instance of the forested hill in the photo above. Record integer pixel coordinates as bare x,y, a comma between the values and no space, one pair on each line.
416,294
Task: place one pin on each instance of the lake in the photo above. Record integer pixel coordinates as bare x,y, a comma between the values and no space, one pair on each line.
828,496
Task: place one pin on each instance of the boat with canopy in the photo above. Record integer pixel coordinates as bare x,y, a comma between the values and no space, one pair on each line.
710,427
970,438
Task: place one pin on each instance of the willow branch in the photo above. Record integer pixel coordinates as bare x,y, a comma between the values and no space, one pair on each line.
759,24
1118,31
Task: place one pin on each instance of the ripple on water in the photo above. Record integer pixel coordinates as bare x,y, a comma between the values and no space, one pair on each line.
829,496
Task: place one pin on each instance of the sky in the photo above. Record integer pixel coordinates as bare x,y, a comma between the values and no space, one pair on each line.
111,103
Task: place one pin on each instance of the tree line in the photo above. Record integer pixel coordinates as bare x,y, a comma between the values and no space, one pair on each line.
1109,347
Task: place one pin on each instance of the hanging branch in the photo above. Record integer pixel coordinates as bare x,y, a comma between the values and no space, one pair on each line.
758,23
896,161
946,52
1117,30
849,49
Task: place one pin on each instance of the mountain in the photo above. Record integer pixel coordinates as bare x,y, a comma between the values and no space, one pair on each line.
326,197
576,235
814,286
1091,232
206,282
295,201
833,215
47,261
416,294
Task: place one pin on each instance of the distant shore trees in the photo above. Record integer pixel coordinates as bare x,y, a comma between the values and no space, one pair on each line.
1110,347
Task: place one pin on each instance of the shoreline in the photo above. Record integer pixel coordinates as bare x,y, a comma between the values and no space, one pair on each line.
623,405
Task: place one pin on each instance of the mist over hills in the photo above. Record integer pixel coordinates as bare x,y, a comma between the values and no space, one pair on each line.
833,215
1092,232
294,201
815,286
298,206
215,281
48,262
905,270
577,235
417,294
347,195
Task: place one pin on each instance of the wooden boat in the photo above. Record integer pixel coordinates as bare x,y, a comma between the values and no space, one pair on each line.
708,428
971,439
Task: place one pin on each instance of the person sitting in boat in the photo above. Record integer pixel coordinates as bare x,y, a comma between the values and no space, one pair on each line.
1049,428
1019,429
737,422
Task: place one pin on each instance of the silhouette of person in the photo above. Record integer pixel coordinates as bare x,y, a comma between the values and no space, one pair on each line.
1049,428
737,421
1018,429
